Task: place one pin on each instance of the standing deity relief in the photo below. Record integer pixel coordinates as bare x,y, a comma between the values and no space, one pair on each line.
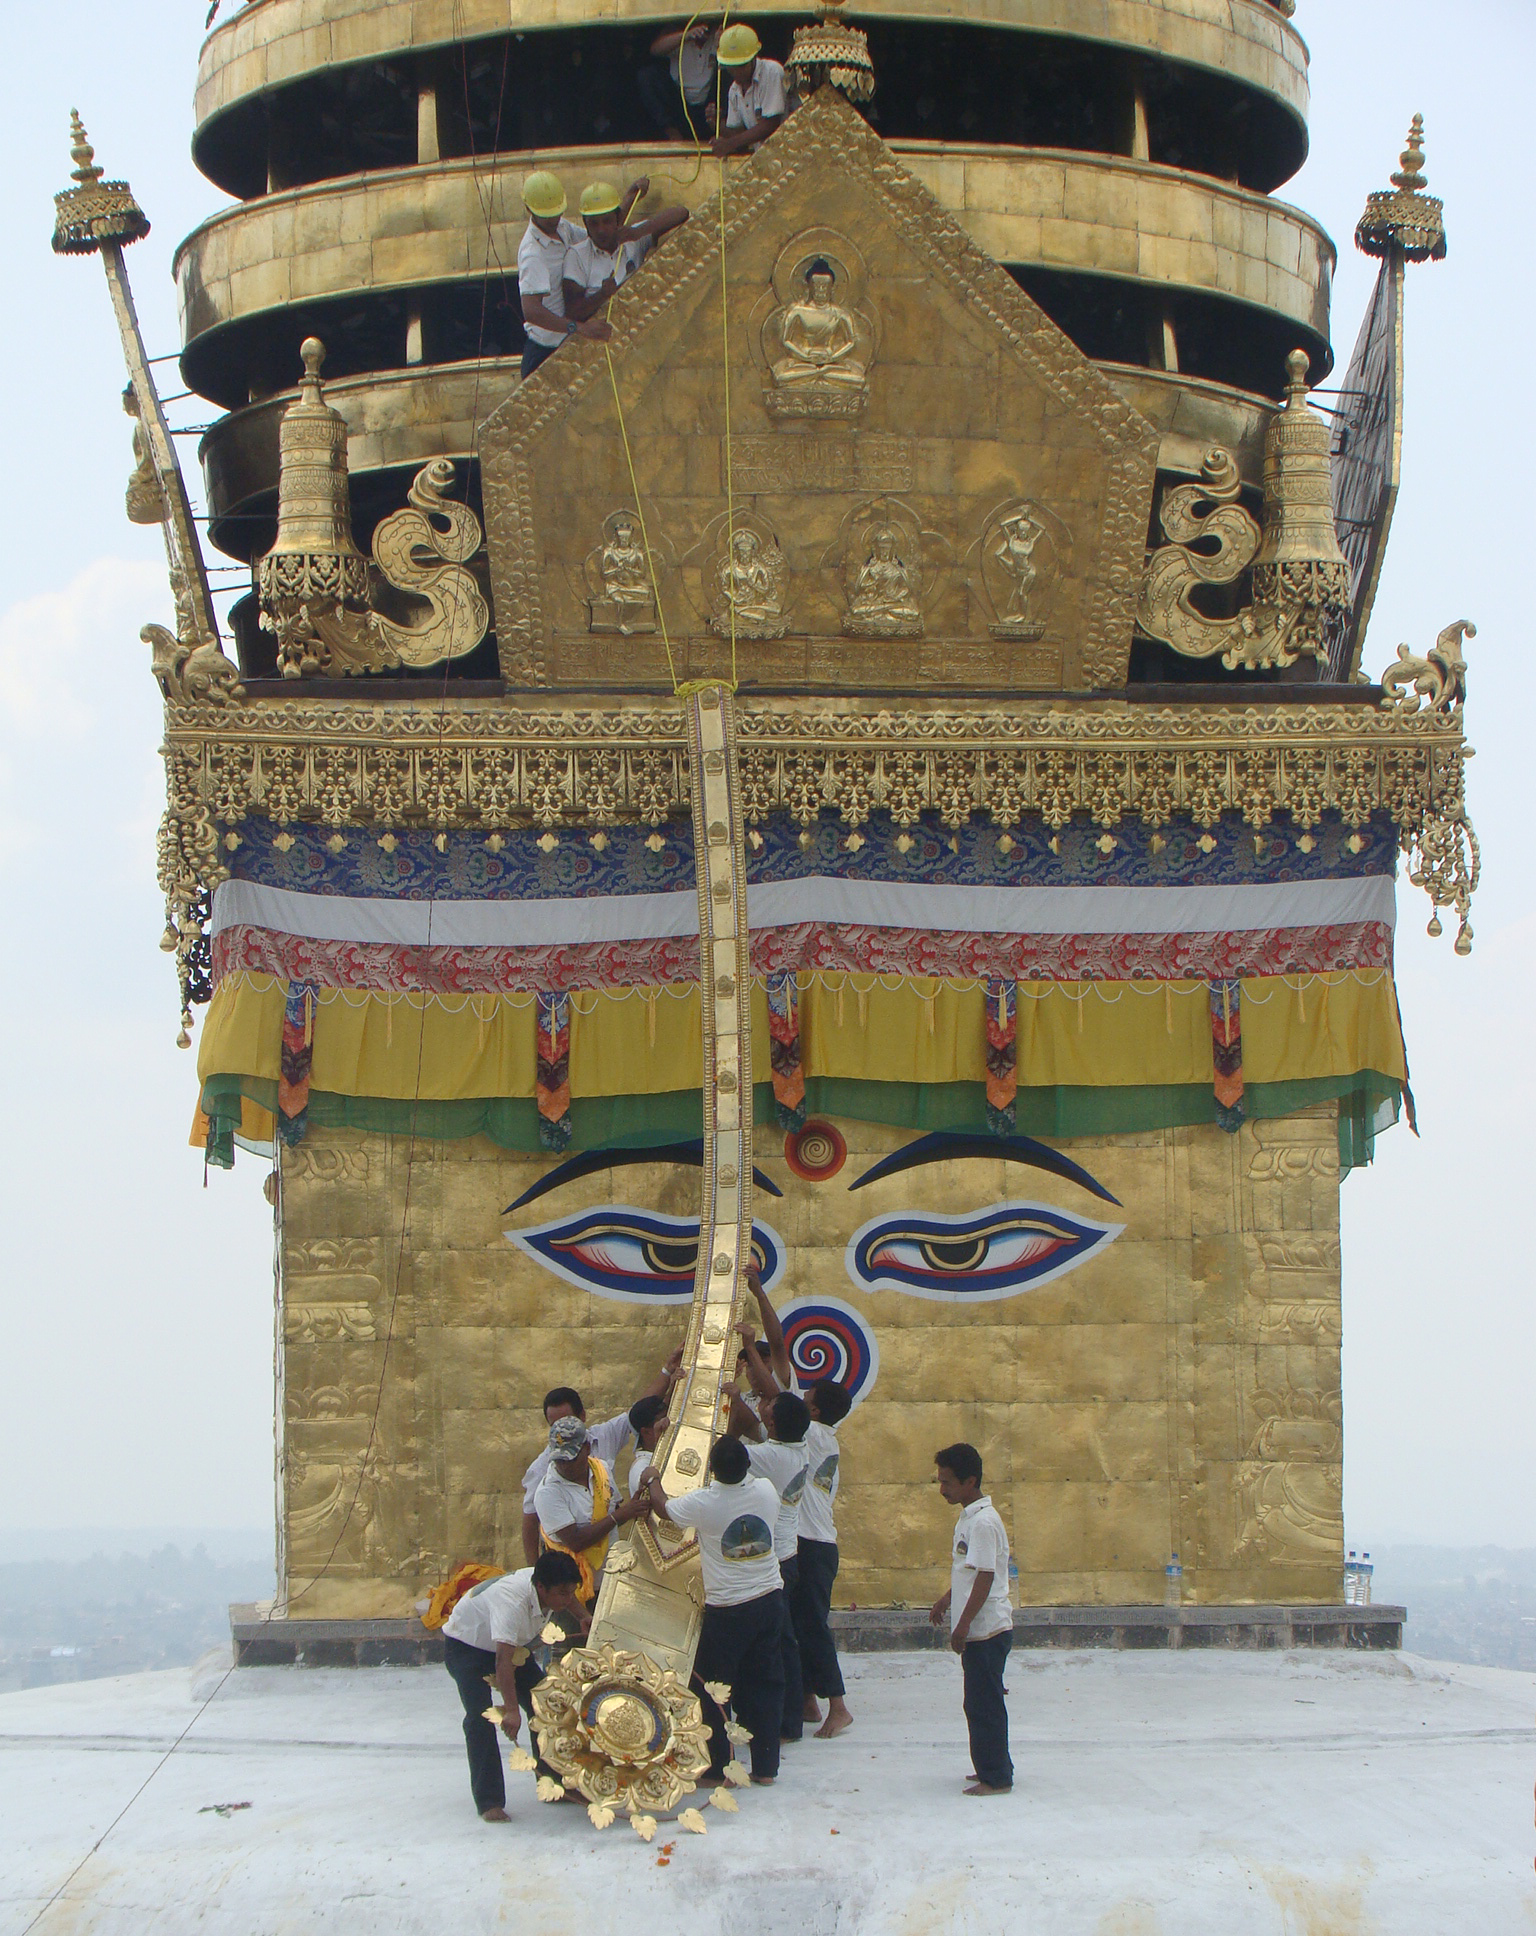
1017,561
814,337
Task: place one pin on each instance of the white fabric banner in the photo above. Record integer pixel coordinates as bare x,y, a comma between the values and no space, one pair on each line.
774,904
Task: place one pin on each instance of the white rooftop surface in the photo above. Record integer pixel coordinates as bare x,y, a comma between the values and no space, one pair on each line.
1304,1794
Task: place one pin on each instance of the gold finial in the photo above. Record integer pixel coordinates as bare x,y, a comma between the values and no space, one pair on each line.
1403,217
1412,158
94,213
81,153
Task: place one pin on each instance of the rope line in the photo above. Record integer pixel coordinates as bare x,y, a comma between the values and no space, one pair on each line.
650,562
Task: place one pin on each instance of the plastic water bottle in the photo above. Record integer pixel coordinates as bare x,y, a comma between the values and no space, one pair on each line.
1173,1583
1351,1580
1013,1579
1363,1590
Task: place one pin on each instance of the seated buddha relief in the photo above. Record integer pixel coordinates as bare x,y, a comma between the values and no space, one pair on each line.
817,347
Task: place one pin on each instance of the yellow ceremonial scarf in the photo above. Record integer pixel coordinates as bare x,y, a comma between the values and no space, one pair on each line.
590,1559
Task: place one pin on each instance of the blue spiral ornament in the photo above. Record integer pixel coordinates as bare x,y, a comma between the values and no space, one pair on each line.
829,1339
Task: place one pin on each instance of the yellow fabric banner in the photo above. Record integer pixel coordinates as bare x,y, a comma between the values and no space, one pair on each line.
633,1042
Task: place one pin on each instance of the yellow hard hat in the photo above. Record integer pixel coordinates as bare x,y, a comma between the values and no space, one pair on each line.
738,45
599,198
542,194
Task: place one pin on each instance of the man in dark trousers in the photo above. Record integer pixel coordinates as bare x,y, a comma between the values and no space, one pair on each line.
980,1614
739,1642
486,1638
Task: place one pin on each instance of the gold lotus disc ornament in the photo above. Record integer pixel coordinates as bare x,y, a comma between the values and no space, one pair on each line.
623,1732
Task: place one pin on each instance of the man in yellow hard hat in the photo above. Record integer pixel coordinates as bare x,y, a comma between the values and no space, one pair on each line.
613,246
541,272
759,99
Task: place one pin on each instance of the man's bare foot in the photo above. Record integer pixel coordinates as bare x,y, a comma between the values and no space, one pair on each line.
838,1718
811,1710
710,1781
494,1815
986,1788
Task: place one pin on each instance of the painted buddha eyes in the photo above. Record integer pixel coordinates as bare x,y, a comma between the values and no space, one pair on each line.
997,1252
636,1256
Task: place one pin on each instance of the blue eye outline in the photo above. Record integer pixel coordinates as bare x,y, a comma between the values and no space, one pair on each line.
991,1233
567,1248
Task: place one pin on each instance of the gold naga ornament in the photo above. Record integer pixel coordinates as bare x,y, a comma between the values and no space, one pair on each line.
1301,578
321,597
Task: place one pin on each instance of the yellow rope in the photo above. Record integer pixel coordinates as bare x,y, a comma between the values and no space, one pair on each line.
725,358
650,562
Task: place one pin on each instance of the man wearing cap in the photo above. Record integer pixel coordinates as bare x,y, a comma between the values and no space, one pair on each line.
540,272
613,246
575,1503
758,100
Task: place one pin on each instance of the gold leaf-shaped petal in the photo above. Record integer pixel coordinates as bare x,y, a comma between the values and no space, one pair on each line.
519,1656
737,1733
723,1799
520,1761
693,1821
550,1790
600,1814
643,1825
493,1715
552,1634
717,1691
736,1775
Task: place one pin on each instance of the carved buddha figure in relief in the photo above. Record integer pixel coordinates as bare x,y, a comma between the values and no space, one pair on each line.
818,351
749,589
884,603
819,337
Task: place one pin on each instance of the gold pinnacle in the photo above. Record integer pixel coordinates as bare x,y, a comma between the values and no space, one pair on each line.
81,153
1412,158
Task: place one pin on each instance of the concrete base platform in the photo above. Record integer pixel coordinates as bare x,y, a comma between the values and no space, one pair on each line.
263,1642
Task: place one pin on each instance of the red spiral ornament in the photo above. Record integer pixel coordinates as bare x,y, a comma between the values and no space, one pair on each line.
829,1339
815,1152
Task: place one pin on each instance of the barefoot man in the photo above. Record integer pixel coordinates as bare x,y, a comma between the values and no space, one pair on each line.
810,1586
980,1614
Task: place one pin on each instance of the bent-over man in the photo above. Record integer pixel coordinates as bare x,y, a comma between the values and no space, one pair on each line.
486,1638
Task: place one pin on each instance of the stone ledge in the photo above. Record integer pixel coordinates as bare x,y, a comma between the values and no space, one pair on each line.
262,1642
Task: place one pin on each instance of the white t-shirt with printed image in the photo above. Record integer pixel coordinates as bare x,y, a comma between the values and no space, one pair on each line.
824,1470
735,1529
785,1469
980,1546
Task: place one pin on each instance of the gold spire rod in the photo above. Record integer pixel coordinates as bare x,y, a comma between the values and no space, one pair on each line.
615,1716
98,217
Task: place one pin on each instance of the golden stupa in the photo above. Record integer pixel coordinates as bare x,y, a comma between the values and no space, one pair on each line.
889,730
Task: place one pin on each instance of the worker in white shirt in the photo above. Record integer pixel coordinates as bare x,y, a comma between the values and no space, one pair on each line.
781,1458
487,1638
540,272
980,1614
765,1364
810,1604
613,246
687,88
648,1421
578,1512
608,1440
743,1602
758,100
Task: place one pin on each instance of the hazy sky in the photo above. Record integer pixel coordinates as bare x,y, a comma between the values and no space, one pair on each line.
136,1386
